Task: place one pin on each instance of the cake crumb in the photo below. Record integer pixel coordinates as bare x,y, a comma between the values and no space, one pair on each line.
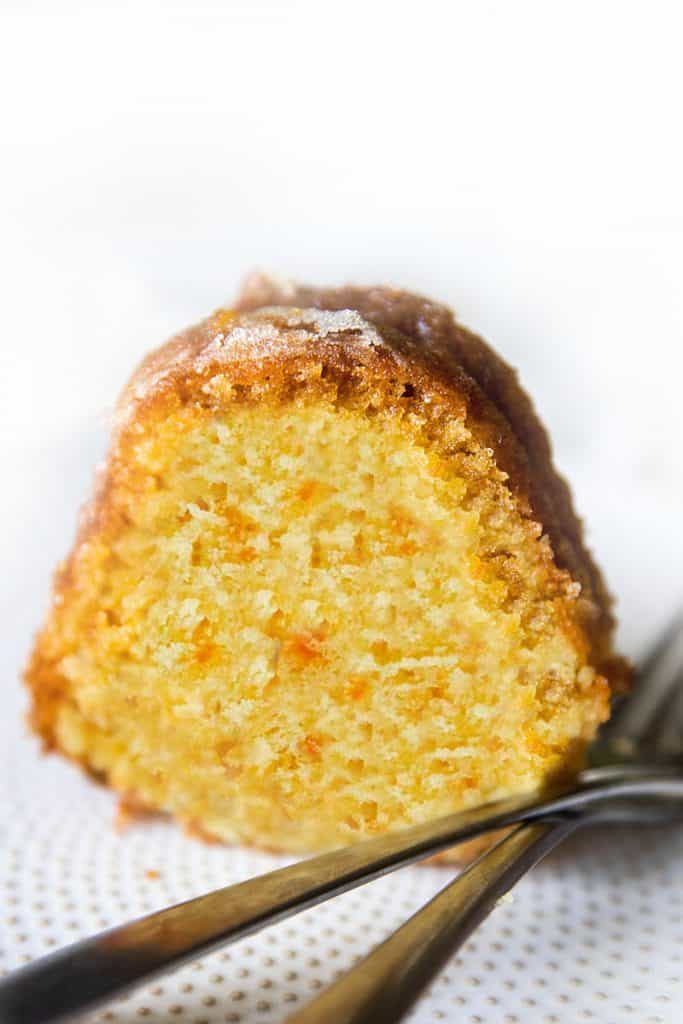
129,810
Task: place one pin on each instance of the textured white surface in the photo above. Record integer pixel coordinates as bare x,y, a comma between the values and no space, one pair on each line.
594,934
520,161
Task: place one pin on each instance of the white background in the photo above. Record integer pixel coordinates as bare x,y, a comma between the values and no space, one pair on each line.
521,161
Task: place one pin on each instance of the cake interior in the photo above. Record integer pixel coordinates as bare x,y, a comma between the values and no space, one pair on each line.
303,624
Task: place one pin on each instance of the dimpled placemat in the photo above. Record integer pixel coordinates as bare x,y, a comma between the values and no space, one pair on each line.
593,934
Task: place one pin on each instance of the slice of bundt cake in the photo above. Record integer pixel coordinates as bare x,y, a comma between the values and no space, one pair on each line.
329,584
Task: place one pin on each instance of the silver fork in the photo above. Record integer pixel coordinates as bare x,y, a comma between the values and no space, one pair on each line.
647,725
81,976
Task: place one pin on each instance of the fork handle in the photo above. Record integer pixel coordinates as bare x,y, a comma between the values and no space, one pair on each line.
381,987
77,978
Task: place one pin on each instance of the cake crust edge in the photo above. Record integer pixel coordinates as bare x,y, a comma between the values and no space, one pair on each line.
261,349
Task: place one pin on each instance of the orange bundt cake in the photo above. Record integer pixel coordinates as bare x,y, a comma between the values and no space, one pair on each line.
329,584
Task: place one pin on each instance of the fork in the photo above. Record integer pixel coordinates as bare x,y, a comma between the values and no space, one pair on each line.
85,974
383,986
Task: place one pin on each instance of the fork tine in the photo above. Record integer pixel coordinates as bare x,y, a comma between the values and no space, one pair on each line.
665,734
663,642
655,693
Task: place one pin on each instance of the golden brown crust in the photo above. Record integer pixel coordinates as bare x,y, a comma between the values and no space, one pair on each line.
387,347
495,400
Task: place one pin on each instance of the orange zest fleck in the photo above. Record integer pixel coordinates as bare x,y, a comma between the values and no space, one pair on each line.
357,687
311,489
205,650
206,653
312,747
305,646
